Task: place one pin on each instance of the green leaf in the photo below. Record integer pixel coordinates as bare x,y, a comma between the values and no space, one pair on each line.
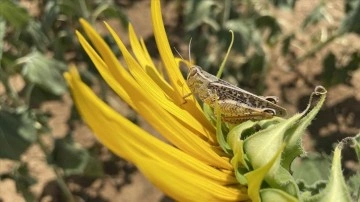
36,34
17,133
317,14
109,10
334,73
23,181
51,14
351,21
354,186
350,5
354,181
44,72
311,169
2,35
243,31
356,142
39,95
201,12
309,190
74,159
253,68
14,14
286,43
270,23
329,66
284,3
76,9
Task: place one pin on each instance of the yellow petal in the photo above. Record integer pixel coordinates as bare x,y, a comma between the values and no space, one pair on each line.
187,186
163,122
140,53
177,132
165,51
201,128
130,141
172,67
147,64
195,167
113,65
105,73
156,95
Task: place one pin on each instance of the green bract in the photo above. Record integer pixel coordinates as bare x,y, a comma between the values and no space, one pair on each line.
263,152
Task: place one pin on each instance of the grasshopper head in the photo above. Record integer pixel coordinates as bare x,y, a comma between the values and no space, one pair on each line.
193,71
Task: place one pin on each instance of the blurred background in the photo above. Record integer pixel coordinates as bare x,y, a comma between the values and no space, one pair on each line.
282,47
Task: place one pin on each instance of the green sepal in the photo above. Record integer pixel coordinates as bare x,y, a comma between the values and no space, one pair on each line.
235,141
209,114
283,180
294,134
220,136
270,195
255,178
263,145
336,188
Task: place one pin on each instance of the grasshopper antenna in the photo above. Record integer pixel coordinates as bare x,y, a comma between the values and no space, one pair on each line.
190,50
178,53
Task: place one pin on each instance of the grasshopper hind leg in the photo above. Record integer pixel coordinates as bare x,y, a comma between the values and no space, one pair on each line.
184,98
236,112
245,117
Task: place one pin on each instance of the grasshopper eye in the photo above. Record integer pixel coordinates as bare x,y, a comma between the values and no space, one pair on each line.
193,71
270,111
272,99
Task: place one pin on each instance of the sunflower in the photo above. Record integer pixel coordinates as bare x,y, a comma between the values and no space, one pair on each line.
198,161
191,164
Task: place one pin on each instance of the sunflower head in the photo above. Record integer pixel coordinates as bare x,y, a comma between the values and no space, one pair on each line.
203,158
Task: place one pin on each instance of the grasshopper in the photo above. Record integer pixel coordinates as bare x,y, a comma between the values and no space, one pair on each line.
235,104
